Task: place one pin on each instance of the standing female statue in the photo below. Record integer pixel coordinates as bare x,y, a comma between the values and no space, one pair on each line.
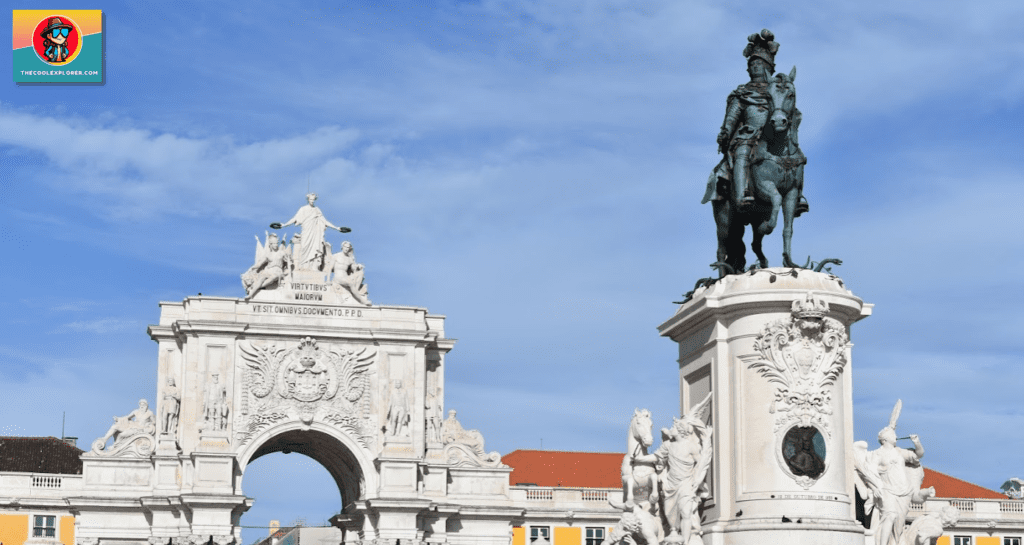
310,253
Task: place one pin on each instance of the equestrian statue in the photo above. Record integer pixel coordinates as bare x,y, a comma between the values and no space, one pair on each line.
762,171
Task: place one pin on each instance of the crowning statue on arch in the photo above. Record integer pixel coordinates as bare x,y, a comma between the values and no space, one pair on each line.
305,267
311,250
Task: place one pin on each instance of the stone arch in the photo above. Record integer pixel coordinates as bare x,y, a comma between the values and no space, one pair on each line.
345,459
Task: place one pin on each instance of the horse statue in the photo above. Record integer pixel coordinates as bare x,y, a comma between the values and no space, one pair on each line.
776,178
637,475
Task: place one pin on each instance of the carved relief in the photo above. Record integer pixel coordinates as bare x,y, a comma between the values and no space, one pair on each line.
464,447
133,434
803,356
803,454
306,382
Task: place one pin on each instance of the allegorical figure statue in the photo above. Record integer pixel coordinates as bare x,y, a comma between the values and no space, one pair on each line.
432,409
685,455
310,253
348,275
465,447
928,527
270,268
224,410
452,432
171,407
398,412
893,477
215,407
141,421
761,172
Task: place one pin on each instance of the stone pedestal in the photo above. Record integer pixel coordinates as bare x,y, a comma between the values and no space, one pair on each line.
773,348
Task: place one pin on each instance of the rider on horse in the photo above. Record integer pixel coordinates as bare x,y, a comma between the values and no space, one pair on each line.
747,111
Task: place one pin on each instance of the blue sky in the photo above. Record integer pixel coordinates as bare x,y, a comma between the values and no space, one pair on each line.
532,170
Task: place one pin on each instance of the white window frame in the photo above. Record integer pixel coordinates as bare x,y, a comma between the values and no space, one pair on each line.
963,540
32,526
539,530
598,536
1011,540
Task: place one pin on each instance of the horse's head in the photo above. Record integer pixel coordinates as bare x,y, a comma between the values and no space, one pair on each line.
782,92
640,427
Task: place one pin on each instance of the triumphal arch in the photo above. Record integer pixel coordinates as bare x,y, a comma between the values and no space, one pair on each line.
306,363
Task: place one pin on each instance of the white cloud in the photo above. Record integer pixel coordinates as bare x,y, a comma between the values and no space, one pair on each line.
102,325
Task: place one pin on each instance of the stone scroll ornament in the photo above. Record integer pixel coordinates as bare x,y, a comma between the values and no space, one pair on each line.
802,356
465,448
134,435
306,382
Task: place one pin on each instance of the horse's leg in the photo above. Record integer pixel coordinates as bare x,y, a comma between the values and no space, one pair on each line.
720,208
627,476
801,203
762,261
788,213
767,191
737,250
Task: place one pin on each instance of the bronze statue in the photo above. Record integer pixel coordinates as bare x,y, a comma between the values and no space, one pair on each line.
762,169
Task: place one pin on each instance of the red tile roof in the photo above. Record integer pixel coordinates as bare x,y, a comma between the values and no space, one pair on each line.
601,470
39,455
569,469
951,487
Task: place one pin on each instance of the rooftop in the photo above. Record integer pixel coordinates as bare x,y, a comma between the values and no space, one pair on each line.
601,470
39,455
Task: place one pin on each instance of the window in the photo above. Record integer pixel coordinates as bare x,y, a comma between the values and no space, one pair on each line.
538,532
44,526
1011,541
595,536
961,540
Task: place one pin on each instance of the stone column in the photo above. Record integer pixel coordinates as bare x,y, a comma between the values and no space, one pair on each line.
773,347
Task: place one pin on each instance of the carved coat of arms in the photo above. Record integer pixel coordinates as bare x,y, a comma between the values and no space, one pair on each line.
802,356
308,382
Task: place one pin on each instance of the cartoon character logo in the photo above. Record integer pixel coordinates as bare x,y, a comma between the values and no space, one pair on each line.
57,40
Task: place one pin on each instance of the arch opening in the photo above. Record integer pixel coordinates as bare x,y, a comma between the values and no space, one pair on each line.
345,461
339,462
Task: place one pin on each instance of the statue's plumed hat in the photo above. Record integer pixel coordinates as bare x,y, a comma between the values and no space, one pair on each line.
762,46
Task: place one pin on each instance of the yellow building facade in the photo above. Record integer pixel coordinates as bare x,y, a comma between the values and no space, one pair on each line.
41,527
